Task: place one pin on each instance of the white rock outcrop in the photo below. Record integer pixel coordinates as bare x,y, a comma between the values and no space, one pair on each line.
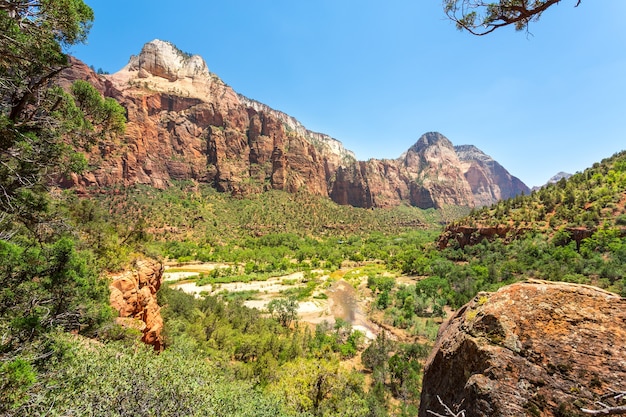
162,59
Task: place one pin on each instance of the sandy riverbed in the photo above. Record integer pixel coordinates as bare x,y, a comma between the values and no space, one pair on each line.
342,299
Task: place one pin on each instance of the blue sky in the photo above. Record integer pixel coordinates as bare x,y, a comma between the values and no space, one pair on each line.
377,75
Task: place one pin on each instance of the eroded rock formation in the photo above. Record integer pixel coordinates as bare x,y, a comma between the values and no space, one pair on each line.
185,123
471,235
133,296
530,349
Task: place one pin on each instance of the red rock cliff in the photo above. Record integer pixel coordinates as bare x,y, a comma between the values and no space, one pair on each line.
489,181
185,123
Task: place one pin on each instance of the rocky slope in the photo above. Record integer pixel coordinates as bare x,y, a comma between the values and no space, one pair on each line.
185,123
133,296
536,348
427,175
488,179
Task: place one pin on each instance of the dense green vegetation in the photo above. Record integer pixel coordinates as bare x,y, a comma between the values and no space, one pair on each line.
89,378
569,231
249,350
300,365
198,213
261,354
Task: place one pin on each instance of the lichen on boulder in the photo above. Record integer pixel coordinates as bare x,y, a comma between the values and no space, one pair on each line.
530,349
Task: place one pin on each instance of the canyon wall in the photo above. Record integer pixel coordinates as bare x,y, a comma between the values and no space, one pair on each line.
184,123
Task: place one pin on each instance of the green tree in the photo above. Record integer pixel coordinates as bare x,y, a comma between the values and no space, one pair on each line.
375,358
285,310
16,378
46,280
41,125
111,380
320,388
45,288
481,17
405,371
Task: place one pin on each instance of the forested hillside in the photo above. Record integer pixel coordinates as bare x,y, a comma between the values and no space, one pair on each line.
572,230
588,200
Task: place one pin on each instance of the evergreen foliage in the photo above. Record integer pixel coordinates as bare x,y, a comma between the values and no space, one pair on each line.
590,199
569,231
96,379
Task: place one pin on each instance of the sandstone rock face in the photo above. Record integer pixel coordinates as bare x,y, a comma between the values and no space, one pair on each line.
185,123
164,60
428,175
530,349
489,181
433,164
133,295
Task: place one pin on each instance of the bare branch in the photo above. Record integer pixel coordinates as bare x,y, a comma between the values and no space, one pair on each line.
449,412
480,17
608,410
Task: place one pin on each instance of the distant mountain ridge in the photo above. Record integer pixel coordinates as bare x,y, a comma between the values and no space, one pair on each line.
554,179
184,123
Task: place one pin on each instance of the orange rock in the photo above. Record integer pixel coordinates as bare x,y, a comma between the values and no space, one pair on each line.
133,296
124,284
535,348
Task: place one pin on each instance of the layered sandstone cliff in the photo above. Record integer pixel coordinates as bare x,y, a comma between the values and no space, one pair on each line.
133,296
185,123
530,349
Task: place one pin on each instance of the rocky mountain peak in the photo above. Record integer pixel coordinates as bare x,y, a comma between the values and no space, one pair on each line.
553,180
185,123
162,67
430,139
471,152
163,59
558,177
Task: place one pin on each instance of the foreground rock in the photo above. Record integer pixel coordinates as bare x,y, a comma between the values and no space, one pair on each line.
530,349
133,296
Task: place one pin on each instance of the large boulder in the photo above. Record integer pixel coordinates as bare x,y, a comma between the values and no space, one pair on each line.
530,349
